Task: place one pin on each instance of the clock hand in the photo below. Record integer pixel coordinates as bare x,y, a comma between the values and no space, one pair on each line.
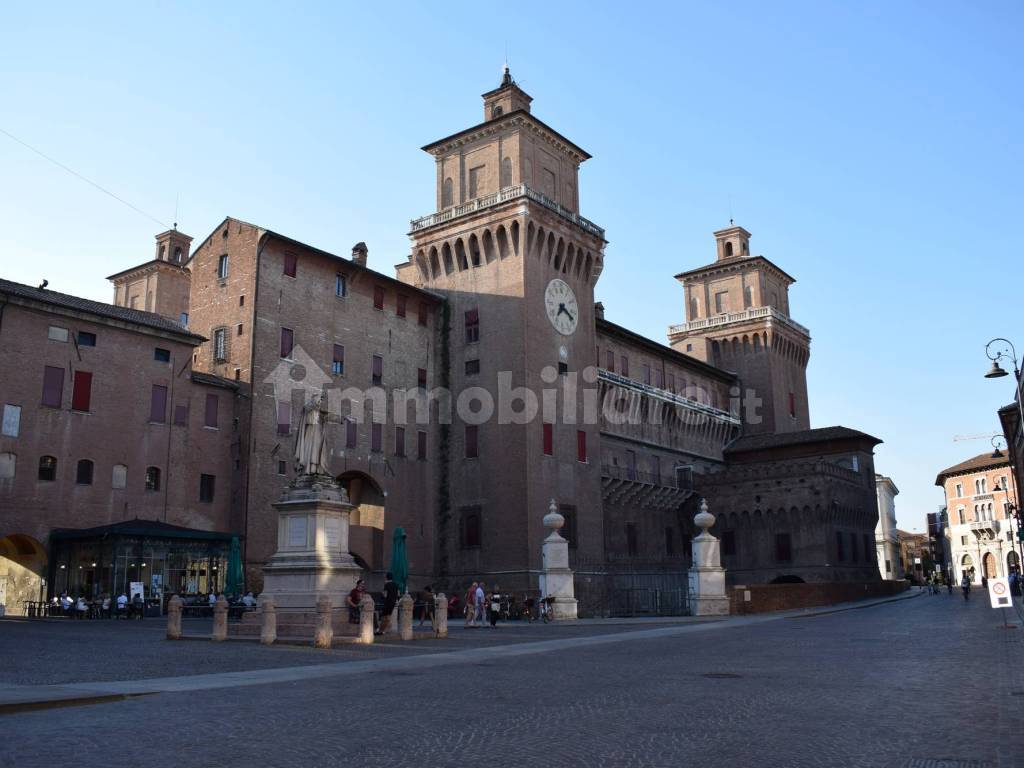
561,309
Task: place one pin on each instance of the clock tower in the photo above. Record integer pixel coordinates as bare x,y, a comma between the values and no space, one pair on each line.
517,264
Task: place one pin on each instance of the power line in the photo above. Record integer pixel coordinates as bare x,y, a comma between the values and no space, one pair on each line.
83,178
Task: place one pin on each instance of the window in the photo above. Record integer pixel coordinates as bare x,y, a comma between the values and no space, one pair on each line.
81,391
177,255
86,339
581,446
671,382
656,469
472,450
549,442
378,297
338,363
340,286
377,372
472,326
670,541
83,472
220,352
56,333
447,195
421,445
287,342
422,313
624,368
658,378
119,477
474,181
291,263
610,364
400,303
472,367
375,437
960,514
840,548
568,532
646,373
421,378
11,425
783,548
729,542
162,355
854,551
684,478
238,329
241,300
180,415
152,478
351,434
469,528
282,467
284,417
206,487
792,405
47,468
212,406
721,302
631,545
222,266
563,369
183,319
158,404
53,386
959,490
399,441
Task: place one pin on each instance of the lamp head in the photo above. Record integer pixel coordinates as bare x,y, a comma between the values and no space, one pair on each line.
995,372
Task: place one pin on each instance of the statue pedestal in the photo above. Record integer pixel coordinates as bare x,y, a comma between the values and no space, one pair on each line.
707,576
312,557
557,577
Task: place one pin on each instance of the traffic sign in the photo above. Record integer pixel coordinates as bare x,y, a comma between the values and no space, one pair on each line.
999,592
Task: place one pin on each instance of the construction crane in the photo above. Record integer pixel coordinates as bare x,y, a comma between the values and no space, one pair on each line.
986,436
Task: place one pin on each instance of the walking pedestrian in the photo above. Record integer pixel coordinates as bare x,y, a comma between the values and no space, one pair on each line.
965,585
495,603
949,585
471,605
428,605
390,600
481,604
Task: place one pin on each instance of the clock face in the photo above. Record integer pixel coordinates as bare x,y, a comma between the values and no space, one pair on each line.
560,305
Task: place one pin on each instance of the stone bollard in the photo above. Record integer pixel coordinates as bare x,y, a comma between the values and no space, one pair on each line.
324,635
366,620
268,630
405,606
440,615
220,619
174,618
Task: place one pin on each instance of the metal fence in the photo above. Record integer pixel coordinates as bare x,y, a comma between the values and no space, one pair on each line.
632,593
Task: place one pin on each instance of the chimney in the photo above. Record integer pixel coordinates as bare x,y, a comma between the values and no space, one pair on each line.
359,253
599,310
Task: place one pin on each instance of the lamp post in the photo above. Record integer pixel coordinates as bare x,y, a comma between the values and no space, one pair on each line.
1013,511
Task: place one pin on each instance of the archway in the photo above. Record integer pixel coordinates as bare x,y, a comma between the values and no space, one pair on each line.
22,565
1012,562
988,565
366,524
787,579
967,567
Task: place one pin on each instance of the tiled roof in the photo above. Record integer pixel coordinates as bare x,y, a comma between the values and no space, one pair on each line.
215,381
125,314
136,527
977,464
803,437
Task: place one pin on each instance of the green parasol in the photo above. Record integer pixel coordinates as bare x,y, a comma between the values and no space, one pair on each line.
233,581
399,562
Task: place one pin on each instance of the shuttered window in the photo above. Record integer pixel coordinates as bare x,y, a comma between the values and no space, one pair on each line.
81,393
53,386
158,404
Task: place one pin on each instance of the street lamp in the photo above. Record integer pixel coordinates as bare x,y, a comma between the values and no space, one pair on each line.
1002,349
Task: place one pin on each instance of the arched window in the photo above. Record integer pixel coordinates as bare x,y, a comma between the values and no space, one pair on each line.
47,468
728,250
177,255
746,248
152,478
496,111
83,473
8,464
447,193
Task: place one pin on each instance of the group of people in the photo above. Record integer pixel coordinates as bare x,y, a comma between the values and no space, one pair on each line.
481,605
102,607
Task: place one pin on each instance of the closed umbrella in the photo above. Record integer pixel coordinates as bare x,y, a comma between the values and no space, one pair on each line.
399,561
233,582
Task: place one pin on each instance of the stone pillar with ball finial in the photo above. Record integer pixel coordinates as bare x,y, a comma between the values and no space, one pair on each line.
707,576
558,585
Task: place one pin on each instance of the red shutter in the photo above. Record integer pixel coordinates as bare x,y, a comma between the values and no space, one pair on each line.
287,342
351,434
211,410
181,415
158,405
471,442
423,313
284,417
421,378
399,441
581,445
548,440
375,435
290,264
81,394
378,297
400,305
53,386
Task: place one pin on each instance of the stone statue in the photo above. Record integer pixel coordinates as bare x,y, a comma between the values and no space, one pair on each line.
311,438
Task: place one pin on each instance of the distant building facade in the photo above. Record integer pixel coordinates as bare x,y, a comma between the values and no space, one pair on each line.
886,538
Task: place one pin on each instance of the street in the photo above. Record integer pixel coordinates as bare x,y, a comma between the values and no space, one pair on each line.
924,678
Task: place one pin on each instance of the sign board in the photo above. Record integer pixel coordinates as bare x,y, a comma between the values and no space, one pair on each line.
136,589
999,593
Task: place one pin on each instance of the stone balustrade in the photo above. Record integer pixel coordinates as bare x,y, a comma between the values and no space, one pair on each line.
729,318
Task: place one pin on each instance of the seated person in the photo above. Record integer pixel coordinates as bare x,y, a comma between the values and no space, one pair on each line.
213,599
138,606
122,603
355,597
81,607
248,601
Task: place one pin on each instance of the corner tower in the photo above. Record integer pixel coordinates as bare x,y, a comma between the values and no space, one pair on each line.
160,285
517,264
737,318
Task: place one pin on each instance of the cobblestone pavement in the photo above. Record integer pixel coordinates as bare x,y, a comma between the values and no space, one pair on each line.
932,678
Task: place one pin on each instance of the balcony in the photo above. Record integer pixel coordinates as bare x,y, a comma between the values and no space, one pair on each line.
607,377
628,486
497,198
731,318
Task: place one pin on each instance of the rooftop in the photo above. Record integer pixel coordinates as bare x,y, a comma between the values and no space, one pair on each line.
803,437
980,462
98,308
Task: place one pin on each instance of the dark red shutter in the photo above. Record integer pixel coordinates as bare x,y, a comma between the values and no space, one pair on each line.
581,445
53,386
423,313
378,297
351,434
421,445
421,378
290,264
211,410
400,305
287,341
81,394
471,442
399,441
158,404
284,417
548,440
375,437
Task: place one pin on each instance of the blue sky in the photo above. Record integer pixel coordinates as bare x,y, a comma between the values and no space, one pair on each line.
873,149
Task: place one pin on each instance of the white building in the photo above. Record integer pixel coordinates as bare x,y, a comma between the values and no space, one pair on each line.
982,534
887,545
